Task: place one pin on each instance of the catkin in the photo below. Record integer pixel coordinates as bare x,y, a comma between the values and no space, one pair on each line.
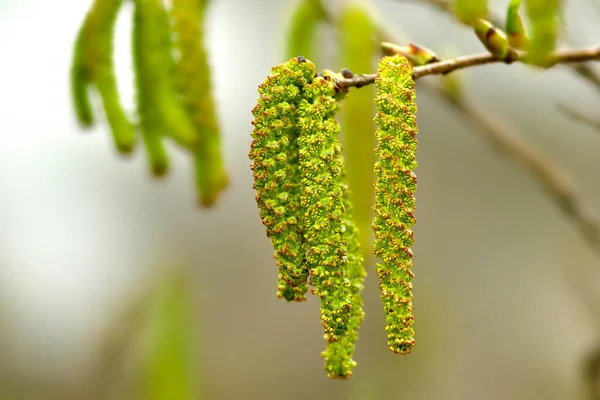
195,88
322,205
394,196
274,156
93,66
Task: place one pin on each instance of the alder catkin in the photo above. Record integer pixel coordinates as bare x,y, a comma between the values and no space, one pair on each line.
274,156
93,66
338,355
322,205
195,88
155,67
394,196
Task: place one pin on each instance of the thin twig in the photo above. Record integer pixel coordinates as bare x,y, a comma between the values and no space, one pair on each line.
579,116
582,70
552,180
447,66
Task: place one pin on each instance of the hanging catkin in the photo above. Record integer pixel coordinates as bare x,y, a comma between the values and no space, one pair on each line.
195,88
274,155
93,66
394,196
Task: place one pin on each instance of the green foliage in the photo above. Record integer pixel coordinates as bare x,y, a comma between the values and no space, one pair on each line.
394,196
468,11
358,50
544,16
517,36
93,66
303,26
195,89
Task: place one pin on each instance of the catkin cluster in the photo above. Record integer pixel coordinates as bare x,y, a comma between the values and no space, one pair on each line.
172,83
303,202
394,196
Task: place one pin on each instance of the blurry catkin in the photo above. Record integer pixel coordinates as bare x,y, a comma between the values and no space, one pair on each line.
544,16
322,205
394,196
195,88
358,50
93,66
467,11
274,156
150,122
338,355
303,28
155,68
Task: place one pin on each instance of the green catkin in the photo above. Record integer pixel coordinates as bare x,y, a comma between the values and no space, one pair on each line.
150,123
195,88
322,205
338,355
274,156
394,196
156,67
303,27
544,16
93,66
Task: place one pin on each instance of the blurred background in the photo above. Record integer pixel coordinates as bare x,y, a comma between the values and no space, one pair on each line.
96,257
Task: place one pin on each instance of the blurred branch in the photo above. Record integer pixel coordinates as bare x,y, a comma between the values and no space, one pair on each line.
579,116
447,66
584,71
552,180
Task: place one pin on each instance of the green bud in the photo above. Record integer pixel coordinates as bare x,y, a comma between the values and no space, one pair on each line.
394,196
492,38
417,55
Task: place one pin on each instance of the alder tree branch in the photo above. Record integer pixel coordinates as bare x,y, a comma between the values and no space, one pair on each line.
551,179
582,70
446,66
579,116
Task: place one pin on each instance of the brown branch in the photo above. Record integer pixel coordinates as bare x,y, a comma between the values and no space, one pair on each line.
582,70
462,62
579,116
552,180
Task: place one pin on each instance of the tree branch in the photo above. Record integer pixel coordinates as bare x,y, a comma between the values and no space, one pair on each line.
584,71
552,180
447,66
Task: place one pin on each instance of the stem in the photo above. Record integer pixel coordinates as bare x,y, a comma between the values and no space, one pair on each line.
462,62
